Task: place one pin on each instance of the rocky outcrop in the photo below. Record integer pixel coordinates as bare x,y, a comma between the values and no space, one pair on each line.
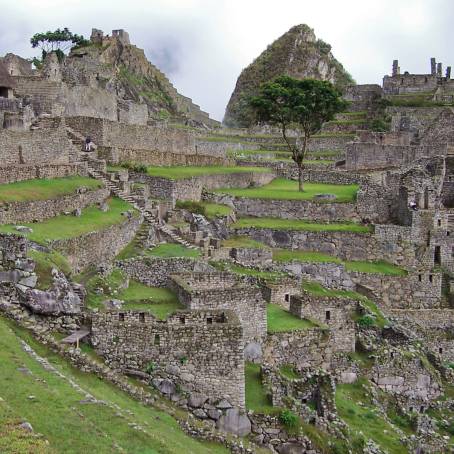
297,53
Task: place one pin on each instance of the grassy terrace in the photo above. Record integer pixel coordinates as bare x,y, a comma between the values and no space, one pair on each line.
161,302
172,250
243,271
209,210
44,189
62,227
57,410
283,189
291,224
180,172
380,267
355,406
243,241
279,320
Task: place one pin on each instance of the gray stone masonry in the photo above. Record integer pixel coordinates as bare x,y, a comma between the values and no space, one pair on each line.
224,291
199,350
335,312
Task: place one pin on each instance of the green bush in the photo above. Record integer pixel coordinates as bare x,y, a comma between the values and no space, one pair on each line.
289,419
366,321
151,367
139,168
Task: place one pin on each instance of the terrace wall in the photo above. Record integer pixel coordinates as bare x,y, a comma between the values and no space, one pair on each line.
98,247
202,357
21,172
191,188
36,147
156,271
345,245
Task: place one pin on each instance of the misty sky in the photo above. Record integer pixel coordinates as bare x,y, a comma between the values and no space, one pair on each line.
202,45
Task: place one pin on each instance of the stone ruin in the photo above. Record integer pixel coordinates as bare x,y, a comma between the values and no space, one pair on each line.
197,356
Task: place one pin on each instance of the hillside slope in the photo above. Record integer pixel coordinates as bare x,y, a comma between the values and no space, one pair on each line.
75,411
297,53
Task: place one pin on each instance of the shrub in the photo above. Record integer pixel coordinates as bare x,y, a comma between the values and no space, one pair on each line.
139,168
151,367
289,419
183,360
366,321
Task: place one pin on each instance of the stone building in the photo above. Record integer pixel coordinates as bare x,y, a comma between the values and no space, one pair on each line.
217,291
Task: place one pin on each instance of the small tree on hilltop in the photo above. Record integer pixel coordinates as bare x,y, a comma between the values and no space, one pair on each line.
298,104
58,41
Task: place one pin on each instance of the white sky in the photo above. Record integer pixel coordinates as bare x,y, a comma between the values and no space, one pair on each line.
203,45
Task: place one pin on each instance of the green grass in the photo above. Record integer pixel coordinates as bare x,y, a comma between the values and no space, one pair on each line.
209,210
288,371
280,320
271,276
355,407
256,398
44,263
161,302
380,267
173,250
243,242
180,172
72,427
62,227
291,224
283,189
43,189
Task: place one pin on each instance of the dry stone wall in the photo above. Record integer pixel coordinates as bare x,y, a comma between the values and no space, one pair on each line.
224,291
199,355
13,173
38,210
156,271
95,248
36,147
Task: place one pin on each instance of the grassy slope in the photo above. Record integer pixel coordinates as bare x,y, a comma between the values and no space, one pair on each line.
173,250
279,320
256,398
44,189
291,224
356,409
380,267
44,264
72,427
243,241
283,189
61,227
179,172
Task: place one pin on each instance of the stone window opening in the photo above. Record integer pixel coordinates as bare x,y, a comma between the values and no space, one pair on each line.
437,255
425,79
428,238
287,297
421,409
440,350
411,409
182,320
142,317
448,233
4,92
209,321
420,277
222,318
430,278
439,222
392,354
121,317
426,198
157,340
327,315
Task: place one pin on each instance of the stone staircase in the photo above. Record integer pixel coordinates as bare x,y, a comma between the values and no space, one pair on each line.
149,218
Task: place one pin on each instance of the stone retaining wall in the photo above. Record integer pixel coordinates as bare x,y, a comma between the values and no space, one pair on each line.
156,271
191,188
206,357
21,172
96,248
38,210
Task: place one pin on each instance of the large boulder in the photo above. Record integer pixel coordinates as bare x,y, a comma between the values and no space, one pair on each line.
234,421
